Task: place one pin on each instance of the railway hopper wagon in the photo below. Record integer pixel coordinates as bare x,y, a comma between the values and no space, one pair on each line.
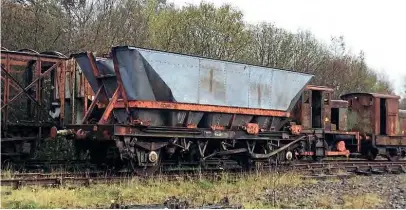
152,108
157,107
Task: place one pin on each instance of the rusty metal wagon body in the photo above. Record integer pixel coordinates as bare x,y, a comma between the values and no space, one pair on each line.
149,108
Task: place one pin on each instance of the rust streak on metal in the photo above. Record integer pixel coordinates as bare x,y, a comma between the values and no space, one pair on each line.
18,57
211,80
375,95
84,89
358,142
319,88
339,104
217,128
342,132
6,92
201,108
11,83
338,153
32,83
92,105
252,128
15,63
16,82
93,64
62,90
191,126
232,121
341,146
119,81
96,73
39,89
73,96
110,106
391,140
295,129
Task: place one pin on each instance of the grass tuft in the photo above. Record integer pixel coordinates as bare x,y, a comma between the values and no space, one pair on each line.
364,201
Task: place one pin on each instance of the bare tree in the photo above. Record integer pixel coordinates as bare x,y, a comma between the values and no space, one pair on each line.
205,30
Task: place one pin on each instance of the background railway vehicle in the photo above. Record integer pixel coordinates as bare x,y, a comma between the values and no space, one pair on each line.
378,118
360,125
38,91
145,109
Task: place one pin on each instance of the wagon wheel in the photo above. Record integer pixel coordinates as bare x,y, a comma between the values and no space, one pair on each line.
392,155
297,156
372,154
145,170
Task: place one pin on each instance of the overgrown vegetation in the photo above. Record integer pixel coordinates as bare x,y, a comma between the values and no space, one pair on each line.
362,201
269,190
248,190
56,149
70,26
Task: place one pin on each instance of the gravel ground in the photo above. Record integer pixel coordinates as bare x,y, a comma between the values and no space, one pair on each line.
378,191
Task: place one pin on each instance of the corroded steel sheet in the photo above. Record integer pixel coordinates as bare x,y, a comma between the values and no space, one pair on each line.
162,76
402,122
151,75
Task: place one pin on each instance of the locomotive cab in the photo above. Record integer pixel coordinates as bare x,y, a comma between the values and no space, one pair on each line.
339,109
376,116
313,111
317,113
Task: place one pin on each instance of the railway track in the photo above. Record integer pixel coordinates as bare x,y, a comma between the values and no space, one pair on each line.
48,165
321,170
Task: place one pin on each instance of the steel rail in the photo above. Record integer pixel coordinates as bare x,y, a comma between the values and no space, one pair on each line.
311,170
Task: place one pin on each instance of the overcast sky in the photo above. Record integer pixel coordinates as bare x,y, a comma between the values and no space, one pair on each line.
376,27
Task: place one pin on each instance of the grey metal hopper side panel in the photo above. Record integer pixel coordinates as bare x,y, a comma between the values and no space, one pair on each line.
220,82
105,67
86,68
133,71
179,71
237,85
260,85
285,88
212,83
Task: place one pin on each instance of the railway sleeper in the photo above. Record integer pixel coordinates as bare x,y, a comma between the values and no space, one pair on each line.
361,172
